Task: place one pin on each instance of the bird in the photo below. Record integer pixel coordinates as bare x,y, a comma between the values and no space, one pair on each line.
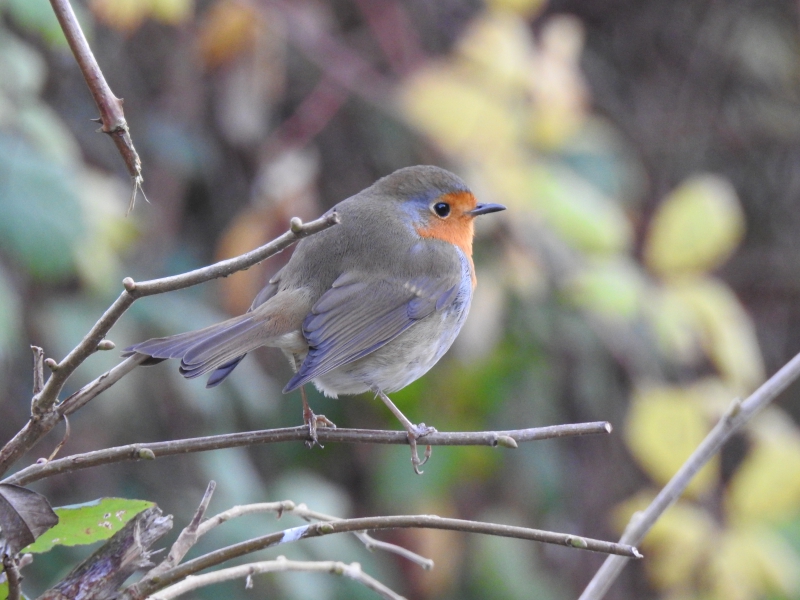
368,305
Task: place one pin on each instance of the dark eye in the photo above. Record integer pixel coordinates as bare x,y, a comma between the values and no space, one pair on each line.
442,209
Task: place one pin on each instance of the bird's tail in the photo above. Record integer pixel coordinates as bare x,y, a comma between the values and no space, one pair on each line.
218,348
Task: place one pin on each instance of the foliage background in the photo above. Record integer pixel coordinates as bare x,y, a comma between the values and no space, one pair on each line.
646,272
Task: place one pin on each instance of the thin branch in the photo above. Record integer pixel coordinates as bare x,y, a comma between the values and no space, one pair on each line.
11,570
43,414
281,564
148,586
112,117
738,414
302,511
188,537
99,385
38,369
150,451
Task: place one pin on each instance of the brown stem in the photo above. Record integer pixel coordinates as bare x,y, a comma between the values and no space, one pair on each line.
151,451
147,586
112,117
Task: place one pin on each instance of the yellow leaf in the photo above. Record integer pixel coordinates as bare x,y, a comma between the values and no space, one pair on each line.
612,288
696,227
171,12
229,28
678,544
663,427
526,8
726,331
464,118
123,15
558,88
747,563
501,45
767,484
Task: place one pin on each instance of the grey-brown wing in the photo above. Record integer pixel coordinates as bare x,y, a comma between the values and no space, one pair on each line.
354,318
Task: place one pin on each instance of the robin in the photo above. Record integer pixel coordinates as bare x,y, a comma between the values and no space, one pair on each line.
369,305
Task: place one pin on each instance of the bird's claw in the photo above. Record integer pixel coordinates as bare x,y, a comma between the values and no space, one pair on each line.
414,433
313,421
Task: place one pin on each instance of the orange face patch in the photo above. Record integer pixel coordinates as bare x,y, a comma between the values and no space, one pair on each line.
457,228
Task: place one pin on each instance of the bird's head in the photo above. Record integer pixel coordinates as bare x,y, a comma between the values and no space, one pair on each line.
437,203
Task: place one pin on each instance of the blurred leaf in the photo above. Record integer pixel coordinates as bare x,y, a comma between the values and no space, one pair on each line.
88,523
10,318
172,12
48,133
584,217
675,326
696,228
727,334
500,45
3,590
526,8
663,427
123,15
750,562
767,484
37,16
459,114
228,28
559,91
22,69
40,215
612,288
678,544
24,516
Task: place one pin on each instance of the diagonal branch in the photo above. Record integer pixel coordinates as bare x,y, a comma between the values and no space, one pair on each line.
282,565
112,117
641,523
44,414
148,585
155,450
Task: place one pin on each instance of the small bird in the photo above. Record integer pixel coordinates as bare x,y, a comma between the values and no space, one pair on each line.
368,305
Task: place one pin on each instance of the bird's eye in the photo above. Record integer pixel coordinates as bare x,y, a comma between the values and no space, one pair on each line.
442,209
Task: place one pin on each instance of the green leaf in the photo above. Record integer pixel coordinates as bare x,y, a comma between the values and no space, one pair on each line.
41,219
88,523
611,288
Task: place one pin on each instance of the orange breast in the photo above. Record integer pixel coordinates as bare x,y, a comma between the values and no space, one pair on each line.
458,228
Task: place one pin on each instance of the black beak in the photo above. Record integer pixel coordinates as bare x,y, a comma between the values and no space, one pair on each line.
485,209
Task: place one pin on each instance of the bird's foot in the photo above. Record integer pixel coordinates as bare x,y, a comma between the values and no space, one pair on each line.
414,433
313,421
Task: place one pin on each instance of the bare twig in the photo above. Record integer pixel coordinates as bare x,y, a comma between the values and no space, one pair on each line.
101,384
281,564
38,369
641,523
187,538
154,450
302,511
44,416
11,569
112,117
148,585
63,441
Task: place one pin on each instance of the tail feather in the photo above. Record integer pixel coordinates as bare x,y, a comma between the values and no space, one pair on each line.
219,348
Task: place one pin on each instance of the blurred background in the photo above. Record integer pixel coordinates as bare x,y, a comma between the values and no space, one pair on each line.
646,273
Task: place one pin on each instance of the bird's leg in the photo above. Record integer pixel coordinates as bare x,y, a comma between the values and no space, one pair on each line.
311,420
414,432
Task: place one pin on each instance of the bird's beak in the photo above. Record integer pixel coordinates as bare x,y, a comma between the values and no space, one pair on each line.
485,209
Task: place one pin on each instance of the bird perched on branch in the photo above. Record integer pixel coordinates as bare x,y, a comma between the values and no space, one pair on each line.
370,304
